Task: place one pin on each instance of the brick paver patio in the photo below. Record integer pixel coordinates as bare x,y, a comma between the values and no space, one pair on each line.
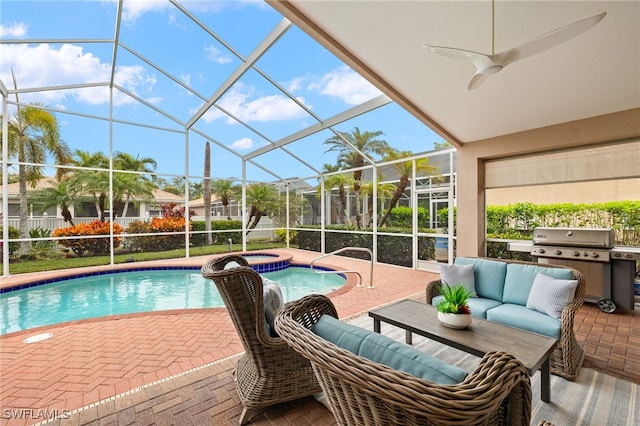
176,367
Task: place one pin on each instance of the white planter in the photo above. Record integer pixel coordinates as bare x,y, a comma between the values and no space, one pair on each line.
455,320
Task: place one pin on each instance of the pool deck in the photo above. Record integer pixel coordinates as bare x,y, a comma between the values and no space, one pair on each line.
176,367
88,361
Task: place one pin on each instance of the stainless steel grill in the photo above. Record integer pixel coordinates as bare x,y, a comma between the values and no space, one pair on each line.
609,271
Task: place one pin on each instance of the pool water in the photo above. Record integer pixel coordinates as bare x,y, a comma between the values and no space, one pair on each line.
137,291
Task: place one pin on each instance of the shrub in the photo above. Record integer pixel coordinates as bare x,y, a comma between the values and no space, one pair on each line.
42,247
218,238
14,233
281,235
137,243
174,226
402,216
97,246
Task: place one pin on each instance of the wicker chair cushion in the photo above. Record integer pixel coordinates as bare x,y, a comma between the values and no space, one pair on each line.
458,274
381,349
550,295
273,303
526,319
489,276
520,278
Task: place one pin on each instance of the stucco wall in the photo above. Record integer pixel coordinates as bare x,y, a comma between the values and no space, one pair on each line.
618,126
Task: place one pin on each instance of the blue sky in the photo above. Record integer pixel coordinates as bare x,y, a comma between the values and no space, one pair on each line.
192,64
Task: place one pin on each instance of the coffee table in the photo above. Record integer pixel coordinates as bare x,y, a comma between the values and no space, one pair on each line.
533,350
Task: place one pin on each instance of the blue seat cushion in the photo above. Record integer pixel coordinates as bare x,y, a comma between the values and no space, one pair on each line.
520,278
525,319
489,276
383,350
478,305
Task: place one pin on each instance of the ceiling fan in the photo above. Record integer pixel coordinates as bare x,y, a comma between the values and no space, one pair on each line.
487,65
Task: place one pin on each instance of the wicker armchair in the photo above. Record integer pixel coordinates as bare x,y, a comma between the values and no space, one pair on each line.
569,353
269,372
361,392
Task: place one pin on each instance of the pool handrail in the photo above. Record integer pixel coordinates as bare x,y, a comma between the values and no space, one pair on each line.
345,272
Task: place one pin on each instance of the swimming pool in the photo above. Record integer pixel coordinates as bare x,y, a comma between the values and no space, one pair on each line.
127,292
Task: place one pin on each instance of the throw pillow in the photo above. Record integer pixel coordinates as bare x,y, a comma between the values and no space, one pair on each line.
550,295
459,274
273,303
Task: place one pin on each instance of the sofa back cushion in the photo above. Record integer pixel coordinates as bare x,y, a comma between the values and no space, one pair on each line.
458,274
383,350
519,280
489,276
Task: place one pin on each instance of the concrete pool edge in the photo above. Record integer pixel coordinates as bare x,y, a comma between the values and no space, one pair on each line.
175,264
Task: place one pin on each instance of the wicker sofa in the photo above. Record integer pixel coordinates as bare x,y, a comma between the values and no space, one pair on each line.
363,392
503,288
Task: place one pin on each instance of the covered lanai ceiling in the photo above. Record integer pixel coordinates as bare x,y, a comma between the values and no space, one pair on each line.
593,74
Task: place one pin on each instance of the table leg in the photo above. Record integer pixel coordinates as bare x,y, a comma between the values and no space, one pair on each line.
545,381
408,337
376,325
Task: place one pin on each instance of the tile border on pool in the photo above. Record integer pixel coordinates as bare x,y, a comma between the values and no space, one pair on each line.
278,263
92,274
60,275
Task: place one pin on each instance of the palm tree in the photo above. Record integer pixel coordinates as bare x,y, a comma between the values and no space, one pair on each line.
60,194
92,182
131,185
352,147
405,170
127,187
262,198
32,135
383,192
125,161
224,189
340,181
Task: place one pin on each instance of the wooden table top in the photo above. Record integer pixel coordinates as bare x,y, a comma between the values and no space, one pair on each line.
479,338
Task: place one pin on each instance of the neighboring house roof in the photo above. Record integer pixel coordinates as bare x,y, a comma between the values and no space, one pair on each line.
13,191
199,202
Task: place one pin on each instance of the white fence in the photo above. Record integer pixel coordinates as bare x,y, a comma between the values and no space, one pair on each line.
263,230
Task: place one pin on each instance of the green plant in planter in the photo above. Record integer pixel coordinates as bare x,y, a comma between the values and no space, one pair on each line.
455,299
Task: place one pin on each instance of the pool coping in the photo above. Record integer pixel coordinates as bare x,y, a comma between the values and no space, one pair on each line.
282,261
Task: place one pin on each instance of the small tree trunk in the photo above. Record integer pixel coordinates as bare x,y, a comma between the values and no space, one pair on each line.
25,246
207,193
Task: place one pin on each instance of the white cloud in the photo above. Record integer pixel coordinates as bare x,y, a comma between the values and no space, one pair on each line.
68,64
267,108
213,54
295,84
347,85
16,29
132,9
243,144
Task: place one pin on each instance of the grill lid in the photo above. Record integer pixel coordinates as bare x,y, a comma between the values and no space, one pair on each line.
574,237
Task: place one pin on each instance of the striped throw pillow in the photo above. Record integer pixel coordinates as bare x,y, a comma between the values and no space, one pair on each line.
550,295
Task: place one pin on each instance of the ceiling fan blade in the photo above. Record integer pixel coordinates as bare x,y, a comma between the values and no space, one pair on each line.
480,60
487,65
477,79
554,38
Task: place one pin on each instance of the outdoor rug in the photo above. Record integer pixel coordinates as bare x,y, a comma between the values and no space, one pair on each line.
594,398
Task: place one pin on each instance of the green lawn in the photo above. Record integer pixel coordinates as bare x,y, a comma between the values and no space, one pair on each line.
20,267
